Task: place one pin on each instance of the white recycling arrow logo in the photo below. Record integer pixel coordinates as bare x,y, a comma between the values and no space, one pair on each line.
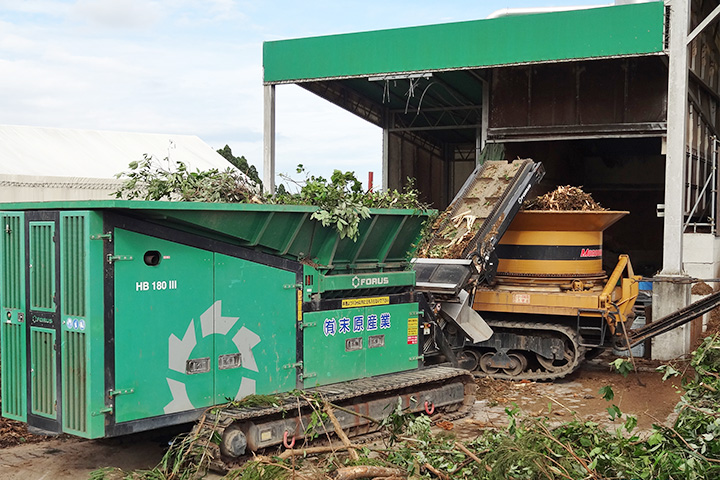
212,322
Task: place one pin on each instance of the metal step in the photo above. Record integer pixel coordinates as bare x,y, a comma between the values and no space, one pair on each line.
585,331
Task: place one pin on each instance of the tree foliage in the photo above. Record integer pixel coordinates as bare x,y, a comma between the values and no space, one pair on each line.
342,203
152,179
241,164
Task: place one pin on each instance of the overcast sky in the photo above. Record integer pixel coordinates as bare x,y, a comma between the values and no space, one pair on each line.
195,67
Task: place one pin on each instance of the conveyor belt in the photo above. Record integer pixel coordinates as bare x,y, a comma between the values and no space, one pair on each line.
669,322
482,211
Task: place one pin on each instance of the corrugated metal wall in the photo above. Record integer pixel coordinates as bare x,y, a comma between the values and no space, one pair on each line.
30,188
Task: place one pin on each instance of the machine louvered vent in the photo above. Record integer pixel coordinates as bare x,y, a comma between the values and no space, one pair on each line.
42,266
73,258
12,369
75,382
42,358
12,263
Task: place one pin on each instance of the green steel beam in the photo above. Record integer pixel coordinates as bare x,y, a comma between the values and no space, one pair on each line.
373,280
634,29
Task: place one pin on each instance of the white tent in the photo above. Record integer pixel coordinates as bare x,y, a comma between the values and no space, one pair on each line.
67,164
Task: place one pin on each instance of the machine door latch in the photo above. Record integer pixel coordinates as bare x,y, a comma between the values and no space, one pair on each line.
102,236
308,324
118,258
293,365
123,391
416,358
291,286
303,376
107,410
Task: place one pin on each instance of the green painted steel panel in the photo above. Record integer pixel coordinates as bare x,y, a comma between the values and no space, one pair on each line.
95,327
365,281
634,29
163,323
260,322
12,248
326,356
350,343
73,264
183,321
82,324
401,339
73,293
283,230
42,266
12,322
12,348
43,388
74,382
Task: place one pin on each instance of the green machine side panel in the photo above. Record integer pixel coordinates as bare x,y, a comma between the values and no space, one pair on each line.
197,328
163,323
43,297
12,322
42,363
400,339
350,343
332,352
42,267
82,324
258,322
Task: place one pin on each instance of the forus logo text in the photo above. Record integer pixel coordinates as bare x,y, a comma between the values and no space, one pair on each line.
365,282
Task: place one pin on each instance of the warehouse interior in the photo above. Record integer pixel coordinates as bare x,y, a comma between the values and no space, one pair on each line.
586,92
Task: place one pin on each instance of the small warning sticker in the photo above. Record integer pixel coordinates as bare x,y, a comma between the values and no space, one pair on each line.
412,340
365,302
412,327
523,298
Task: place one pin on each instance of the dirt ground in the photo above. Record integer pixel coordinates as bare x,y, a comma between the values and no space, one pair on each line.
66,457
641,393
652,402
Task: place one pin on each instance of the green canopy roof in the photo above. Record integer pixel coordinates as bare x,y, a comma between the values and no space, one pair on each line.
621,30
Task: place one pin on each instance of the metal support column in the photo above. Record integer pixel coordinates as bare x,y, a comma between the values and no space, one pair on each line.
485,119
386,159
269,138
676,131
668,294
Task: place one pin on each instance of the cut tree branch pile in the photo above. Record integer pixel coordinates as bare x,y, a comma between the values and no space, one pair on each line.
564,198
452,232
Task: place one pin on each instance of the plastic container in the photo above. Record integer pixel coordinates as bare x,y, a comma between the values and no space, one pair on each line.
638,351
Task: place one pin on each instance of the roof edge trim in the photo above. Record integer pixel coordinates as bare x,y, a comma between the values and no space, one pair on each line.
620,30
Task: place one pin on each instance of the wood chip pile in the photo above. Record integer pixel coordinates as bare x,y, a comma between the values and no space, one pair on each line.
564,198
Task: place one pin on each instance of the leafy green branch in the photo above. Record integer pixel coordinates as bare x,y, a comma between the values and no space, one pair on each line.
153,179
341,201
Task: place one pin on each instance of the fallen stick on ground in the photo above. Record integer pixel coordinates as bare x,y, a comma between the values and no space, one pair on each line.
339,432
313,450
467,452
367,471
436,472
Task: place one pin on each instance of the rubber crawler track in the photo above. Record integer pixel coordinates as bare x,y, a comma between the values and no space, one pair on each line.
565,331
386,386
